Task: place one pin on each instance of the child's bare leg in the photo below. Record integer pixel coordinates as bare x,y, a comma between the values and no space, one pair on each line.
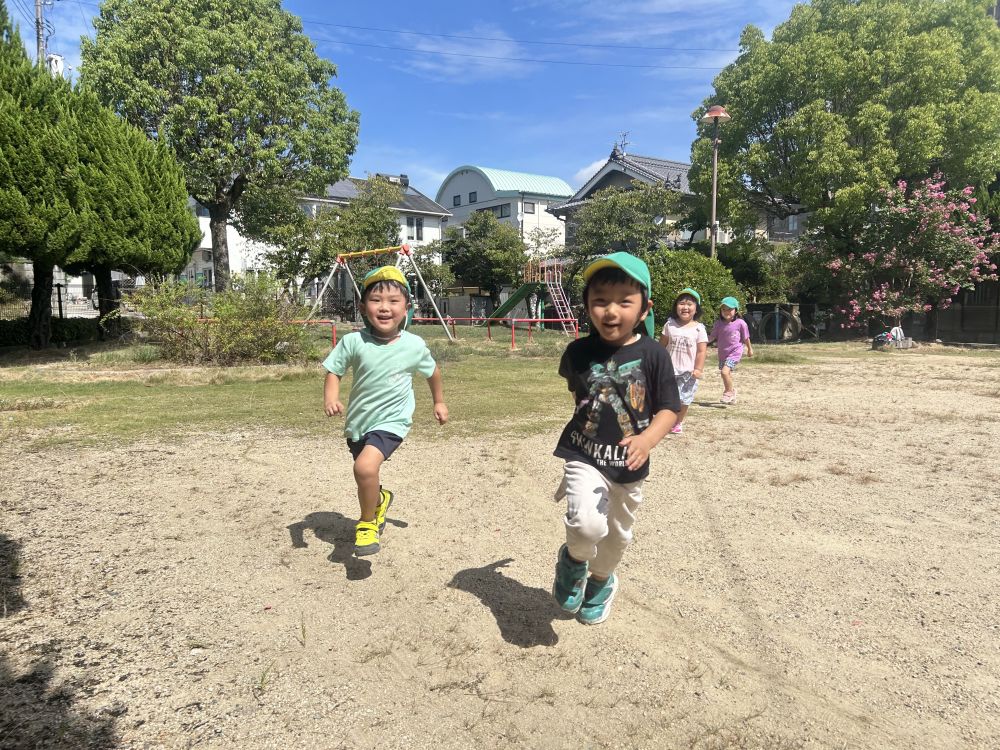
681,414
366,474
727,379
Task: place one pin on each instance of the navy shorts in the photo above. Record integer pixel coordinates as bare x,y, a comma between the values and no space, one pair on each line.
386,442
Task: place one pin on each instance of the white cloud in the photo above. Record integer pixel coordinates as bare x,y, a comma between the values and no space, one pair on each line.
585,173
469,60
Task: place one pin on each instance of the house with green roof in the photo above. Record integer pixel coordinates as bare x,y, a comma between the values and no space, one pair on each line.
521,199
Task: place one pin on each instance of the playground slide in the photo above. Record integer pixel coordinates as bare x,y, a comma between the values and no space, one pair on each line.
521,293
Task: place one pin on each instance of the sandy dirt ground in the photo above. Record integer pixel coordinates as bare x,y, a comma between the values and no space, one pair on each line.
814,567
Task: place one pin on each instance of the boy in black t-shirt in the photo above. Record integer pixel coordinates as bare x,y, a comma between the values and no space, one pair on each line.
626,402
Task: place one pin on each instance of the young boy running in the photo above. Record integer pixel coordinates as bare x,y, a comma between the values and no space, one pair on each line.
626,402
383,358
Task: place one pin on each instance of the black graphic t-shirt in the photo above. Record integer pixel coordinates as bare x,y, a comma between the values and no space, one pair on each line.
618,390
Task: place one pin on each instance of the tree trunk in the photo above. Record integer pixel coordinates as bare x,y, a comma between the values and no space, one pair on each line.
40,317
107,303
218,220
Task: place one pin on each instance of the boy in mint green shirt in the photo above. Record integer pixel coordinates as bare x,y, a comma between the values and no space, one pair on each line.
383,358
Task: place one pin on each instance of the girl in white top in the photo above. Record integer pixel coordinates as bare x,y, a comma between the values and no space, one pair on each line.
687,341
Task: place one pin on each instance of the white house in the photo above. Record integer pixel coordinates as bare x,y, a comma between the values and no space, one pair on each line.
421,220
517,198
244,254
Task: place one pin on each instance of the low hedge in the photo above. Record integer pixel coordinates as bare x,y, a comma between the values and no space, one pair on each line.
64,331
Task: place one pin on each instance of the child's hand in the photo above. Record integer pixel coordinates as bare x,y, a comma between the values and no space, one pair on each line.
638,451
441,413
749,353
333,408
696,374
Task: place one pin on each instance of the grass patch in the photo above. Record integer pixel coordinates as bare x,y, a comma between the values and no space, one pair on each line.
27,404
514,396
142,354
776,355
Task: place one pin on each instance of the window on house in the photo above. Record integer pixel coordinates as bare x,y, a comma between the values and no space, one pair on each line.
473,197
504,210
793,223
409,227
529,207
457,200
420,227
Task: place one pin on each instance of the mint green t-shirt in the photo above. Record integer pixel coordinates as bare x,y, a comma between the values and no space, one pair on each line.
382,390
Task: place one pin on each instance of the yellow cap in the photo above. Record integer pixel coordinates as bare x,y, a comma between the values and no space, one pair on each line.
385,273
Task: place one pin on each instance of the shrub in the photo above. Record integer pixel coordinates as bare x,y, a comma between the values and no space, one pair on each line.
672,270
250,322
64,331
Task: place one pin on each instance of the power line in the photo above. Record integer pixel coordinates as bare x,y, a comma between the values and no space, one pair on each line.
524,59
518,41
588,45
28,17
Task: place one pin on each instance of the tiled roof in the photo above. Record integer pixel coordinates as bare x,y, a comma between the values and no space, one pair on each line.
506,182
673,173
413,200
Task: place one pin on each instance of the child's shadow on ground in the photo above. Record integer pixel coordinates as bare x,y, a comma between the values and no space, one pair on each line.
710,404
524,614
338,530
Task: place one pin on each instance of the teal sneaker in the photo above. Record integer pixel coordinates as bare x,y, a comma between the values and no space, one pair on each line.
570,582
597,599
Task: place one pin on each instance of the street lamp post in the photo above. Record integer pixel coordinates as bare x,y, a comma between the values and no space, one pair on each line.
715,115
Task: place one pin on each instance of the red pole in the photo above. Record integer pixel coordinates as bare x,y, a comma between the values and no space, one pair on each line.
529,331
333,334
576,326
453,334
513,328
489,332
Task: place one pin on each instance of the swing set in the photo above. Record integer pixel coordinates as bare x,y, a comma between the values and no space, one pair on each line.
403,254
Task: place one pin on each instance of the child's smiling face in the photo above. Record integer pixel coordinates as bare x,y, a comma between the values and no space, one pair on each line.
615,309
685,309
385,309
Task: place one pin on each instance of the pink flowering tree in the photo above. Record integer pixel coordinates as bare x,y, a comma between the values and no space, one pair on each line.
921,246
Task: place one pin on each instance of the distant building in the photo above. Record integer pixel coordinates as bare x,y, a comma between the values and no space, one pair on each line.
516,198
621,170
421,220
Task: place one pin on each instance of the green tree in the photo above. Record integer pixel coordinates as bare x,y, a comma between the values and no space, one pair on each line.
368,222
672,270
633,220
233,87
848,96
39,173
133,206
485,252
276,218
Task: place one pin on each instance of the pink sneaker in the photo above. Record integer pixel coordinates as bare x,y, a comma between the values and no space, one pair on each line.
728,398
677,429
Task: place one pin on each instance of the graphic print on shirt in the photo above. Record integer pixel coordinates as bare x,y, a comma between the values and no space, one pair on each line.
604,382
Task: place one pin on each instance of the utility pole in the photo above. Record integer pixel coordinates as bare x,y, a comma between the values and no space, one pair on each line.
39,33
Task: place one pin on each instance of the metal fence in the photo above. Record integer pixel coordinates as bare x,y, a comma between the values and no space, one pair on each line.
16,303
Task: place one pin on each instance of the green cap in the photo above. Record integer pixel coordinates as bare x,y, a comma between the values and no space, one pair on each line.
691,292
632,266
731,302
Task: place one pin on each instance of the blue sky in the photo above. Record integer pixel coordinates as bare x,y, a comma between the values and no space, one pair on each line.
424,113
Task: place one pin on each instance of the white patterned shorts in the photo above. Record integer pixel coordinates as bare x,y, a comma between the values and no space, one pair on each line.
687,385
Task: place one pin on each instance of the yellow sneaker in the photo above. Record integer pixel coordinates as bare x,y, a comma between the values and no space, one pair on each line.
366,538
384,501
